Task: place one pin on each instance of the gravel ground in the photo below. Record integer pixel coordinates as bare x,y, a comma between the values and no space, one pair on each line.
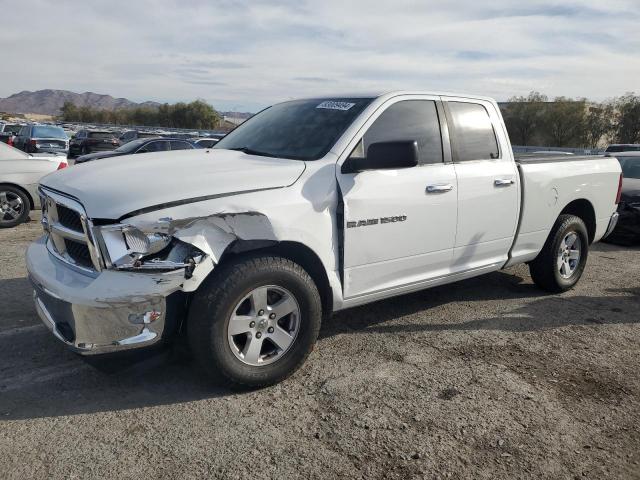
486,378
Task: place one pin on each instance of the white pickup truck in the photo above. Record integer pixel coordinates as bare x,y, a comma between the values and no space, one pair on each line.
309,207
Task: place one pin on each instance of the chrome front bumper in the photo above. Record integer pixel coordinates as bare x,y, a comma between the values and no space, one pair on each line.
109,312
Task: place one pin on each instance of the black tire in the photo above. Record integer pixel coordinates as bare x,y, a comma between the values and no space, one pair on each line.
545,271
215,302
11,193
84,150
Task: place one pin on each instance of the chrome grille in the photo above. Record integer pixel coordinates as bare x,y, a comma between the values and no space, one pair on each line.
70,231
69,218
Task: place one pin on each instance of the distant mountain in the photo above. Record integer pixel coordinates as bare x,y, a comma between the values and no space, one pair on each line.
242,115
49,102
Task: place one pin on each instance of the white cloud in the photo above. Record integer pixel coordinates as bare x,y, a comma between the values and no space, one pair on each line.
248,54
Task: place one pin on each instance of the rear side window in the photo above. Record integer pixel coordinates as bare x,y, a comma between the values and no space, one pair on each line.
472,134
409,120
159,146
176,145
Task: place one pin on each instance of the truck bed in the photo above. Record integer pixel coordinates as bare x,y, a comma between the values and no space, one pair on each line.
546,192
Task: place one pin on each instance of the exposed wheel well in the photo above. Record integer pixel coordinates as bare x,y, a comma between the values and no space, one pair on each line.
294,251
584,210
31,204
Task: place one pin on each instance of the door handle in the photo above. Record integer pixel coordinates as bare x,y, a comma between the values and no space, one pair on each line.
440,188
503,182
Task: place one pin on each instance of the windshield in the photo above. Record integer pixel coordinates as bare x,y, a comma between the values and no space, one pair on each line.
630,167
131,146
299,130
49,132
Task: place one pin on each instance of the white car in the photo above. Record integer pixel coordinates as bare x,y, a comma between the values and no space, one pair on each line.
309,207
20,173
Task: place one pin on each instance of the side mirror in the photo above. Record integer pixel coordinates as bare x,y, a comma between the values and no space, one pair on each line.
384,156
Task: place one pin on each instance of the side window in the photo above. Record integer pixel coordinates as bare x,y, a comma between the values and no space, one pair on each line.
159,146
472,134
177,145
407,120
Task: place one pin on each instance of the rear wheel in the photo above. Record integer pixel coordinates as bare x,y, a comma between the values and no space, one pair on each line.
256,321
560,264
14,206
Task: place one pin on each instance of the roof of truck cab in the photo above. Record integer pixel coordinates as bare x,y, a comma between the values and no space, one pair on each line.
396,93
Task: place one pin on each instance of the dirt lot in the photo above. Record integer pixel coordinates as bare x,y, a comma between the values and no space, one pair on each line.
487,378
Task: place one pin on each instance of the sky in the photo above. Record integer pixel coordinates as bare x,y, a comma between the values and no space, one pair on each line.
244,55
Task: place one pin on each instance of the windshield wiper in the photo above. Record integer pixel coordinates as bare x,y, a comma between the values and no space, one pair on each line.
251,151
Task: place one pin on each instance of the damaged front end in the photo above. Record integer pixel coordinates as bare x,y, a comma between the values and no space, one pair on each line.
193,244
126,247
106,287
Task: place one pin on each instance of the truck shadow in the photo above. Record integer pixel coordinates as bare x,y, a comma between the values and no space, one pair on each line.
546,312
40,378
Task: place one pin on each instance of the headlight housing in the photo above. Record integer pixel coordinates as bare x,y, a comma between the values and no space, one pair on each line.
126,247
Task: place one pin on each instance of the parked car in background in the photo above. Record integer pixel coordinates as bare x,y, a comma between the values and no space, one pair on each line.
20,173
623,147
89,141
42,139
8,132
131,135
627,232
204,142
143,145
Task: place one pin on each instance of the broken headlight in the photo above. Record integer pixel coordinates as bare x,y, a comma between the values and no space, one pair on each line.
125,247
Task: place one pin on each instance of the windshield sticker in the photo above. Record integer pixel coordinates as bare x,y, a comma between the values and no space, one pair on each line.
336,105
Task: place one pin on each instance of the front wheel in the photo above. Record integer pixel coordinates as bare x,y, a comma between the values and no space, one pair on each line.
560,264
255,321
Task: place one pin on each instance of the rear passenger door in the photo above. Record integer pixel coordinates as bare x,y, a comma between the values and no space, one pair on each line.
488,187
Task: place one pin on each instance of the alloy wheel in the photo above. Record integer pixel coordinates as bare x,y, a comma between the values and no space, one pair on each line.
263,325
569,254
11,206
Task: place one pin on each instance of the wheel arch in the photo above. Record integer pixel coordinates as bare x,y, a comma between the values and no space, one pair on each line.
296,252
584,210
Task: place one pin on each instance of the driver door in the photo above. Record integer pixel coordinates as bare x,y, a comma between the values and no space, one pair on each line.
400,224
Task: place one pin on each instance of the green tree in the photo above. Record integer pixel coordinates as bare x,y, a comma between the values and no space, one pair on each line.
522,116
564,122
69,112
599,124
628,118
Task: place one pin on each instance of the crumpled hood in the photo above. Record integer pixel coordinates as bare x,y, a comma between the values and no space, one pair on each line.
114,188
